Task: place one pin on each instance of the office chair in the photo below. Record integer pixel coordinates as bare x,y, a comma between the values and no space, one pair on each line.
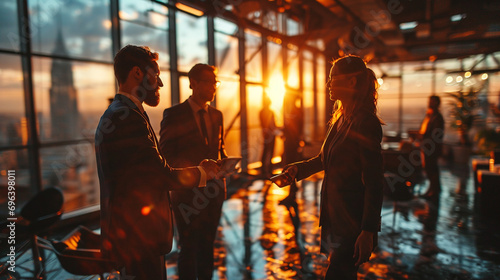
79,253
40,212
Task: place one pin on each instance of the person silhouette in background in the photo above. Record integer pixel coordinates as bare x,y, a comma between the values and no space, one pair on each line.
351,157
292,130
431,146
268,124
135,179
190,132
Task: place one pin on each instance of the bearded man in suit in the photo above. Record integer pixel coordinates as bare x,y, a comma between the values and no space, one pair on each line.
135,179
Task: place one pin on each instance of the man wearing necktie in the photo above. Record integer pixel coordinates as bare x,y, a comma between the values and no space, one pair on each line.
135,179
191,131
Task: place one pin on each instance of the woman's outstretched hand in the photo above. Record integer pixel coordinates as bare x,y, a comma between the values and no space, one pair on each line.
286,177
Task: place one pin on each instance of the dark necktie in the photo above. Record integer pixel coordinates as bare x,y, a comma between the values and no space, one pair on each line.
203,125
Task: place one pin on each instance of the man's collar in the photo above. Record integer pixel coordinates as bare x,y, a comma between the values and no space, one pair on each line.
134,99
195,105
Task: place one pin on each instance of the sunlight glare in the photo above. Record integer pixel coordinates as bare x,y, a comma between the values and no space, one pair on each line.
276,92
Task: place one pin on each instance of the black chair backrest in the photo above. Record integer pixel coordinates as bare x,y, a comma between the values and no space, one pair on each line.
46,202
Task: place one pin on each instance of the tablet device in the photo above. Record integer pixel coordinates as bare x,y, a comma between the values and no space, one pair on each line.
229,164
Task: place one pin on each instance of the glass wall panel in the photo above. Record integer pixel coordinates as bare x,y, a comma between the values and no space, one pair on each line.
184,89
276,88
70,97
14,163
9,33
308,96
145,23
71,28
192,44
13,123
225,26
73,169
254,105
292,27
228,102
321,96
293,79
226,56
253,56
388,104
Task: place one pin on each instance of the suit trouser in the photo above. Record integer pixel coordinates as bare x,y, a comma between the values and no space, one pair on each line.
267,154
139,262
431,169
342,264
197,233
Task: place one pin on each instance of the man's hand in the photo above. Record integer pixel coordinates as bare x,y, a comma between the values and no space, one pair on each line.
211,168
363,247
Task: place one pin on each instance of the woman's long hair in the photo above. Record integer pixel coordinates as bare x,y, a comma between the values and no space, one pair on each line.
366,85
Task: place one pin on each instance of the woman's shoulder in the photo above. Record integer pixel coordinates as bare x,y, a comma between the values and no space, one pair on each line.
366,118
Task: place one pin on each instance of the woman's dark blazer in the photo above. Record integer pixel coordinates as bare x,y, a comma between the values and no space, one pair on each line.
351,193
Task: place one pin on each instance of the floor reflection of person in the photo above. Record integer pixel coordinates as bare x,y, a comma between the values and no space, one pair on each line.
351,195
269,129
190,132
431,145
135,180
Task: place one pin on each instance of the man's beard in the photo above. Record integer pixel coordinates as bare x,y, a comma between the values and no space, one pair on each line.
152,98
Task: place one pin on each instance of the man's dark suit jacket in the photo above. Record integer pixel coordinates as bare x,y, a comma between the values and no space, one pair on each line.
135,181
434,132
180,138
183,145
351,193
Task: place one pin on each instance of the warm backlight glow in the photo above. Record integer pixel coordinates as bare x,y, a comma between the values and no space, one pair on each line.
484,76
188,9
276,92
145,210
106,24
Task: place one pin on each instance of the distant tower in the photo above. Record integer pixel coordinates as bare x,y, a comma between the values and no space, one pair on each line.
64,116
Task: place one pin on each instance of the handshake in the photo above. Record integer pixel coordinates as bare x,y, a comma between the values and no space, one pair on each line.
286,177
220,168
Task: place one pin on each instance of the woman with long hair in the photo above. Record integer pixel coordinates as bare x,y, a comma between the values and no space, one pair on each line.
351,193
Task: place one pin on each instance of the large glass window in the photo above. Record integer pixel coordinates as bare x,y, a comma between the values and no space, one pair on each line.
308,96
71,28
8,21
72,168
255,140
70,97
321,96
293,78
228,94
253,56
145,23
276,87
15,162
192,37
13,126
228,102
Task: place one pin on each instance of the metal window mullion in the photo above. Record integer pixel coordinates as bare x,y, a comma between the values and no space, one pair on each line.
29,102
243,99
211,45
172,47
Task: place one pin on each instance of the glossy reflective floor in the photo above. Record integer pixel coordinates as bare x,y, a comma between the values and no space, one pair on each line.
257,239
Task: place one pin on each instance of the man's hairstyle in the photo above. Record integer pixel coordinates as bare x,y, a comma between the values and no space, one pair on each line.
195,72
130,56
436,99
